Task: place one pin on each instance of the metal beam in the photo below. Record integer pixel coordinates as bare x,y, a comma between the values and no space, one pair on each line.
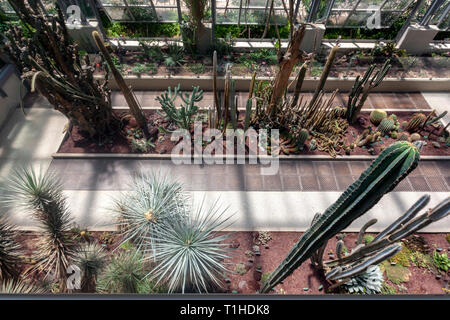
430,12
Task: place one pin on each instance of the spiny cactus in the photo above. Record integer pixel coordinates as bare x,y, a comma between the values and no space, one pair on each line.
404,136
248,111
416,122
362,88
385,172
301,138
386,126
377,115
182,117
414,137
431,119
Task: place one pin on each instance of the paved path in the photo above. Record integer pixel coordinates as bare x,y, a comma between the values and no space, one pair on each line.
286,201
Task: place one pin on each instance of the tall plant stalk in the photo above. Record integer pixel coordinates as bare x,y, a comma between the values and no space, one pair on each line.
133,104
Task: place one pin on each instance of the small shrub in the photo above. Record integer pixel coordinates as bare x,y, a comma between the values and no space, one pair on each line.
197,68
441,261
91,259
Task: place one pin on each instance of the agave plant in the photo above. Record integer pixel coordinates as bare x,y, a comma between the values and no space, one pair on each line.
369,282
153,201
189,255
10,252
41,195
124,274
91,259
19,287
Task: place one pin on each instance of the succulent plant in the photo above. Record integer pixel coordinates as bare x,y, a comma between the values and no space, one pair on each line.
10,252
385,172
386,126
91,258
403,136
377,115
369,282
414,137
302,136
416,122
19,287
394,134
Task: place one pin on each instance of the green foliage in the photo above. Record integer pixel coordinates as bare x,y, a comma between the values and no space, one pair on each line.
254,59
402,258
153,52
316,69
392,165
441,261
10,252
447,237
91,258
369,282
368,238
141,145
188,254
124,274
140,68
396,274
256,31
388,289
142,30
264,277
239,268
182,116
421,260
197,68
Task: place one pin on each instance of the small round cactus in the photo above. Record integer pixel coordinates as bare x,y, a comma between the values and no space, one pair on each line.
302,136
415,137
404,136
394,134
387,125
416,122
377,115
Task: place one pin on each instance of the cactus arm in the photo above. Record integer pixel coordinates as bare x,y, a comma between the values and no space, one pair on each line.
391,166
363,230
248,111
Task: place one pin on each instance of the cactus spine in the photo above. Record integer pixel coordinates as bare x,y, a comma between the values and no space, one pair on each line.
386,126
417,121
391,166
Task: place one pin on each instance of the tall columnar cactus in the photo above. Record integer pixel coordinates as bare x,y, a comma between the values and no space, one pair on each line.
133,104
216,93
391,166
248,111
361,89
324,75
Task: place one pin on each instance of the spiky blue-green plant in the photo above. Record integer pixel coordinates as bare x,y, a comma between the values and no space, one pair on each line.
91,258
385,172
369,282
41,195
189,255
154,199
10,252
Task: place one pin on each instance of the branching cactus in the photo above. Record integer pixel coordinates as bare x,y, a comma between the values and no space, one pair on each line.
385,172
361,89
182,117
385,244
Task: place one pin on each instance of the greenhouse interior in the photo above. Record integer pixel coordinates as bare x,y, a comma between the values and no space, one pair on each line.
228,147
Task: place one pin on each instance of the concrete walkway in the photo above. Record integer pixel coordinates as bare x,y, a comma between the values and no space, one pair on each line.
285,202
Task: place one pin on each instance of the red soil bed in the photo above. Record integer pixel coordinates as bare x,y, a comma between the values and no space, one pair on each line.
77,142
305,280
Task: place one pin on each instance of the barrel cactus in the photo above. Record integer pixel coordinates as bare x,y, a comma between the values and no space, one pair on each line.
302,136
404,136
377,115
383,175
386,125
394,135
416,122
414,137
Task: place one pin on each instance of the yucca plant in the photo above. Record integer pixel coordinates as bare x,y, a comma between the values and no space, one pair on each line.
154,199
41,195
188,254
19,287
10,252
385,172
91,259
124,274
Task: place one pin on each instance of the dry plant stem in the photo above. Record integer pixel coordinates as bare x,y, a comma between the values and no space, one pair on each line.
298,86
266,27
292,56
134,106
325,73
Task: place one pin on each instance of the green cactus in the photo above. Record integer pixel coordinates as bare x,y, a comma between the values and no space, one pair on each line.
182,117
302,136
377,115
248,111
385,172
416,122
386,126
233,106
